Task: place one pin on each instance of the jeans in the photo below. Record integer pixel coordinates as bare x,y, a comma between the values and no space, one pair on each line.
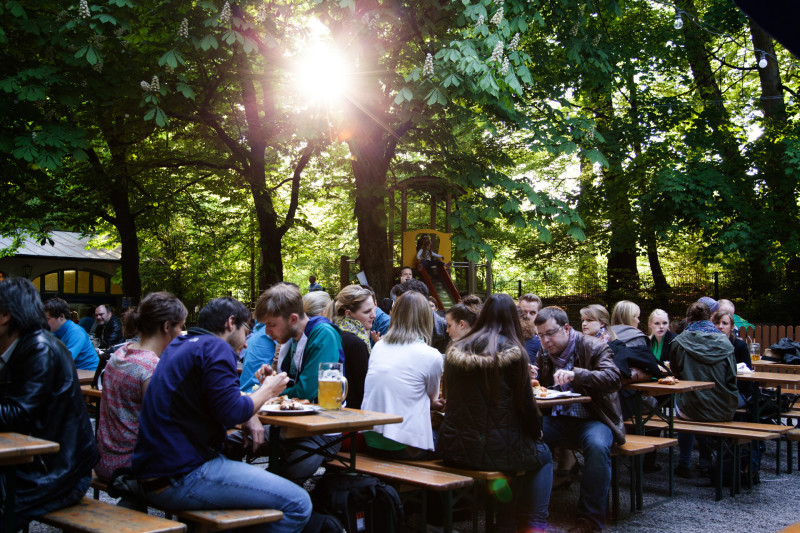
529,498
224,484
594,439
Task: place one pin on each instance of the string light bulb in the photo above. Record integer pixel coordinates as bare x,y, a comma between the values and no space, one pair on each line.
762,63
678,20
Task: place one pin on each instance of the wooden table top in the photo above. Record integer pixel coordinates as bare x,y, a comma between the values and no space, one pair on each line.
16,448
325,421
544,402
655,388
770,378
88,391
85,377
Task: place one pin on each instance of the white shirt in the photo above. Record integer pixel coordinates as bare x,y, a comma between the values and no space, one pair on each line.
402,379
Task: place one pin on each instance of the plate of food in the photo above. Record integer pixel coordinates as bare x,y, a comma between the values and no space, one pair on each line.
543,393
288,407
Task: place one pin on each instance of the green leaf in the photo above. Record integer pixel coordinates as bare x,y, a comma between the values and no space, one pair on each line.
121,3
250,45
16,9
186,90
107,19
576,233
169,58
92,56
32,93
161,118
79,155
150,114
81,52
208,42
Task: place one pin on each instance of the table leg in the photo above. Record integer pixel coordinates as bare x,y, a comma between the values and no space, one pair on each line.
10,475
778,440
671,434
274,449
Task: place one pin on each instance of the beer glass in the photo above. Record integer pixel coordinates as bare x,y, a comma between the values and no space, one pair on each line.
332,385
755,351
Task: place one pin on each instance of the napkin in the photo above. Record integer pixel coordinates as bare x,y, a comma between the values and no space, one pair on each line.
741,368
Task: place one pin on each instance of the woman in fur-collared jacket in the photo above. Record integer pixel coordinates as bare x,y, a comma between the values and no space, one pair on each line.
491,420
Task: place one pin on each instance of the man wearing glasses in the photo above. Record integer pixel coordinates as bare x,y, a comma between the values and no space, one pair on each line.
571,361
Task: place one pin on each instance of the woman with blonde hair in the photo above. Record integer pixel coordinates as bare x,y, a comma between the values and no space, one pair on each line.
660,335
596,322
625,324
352,312
403,378
315,302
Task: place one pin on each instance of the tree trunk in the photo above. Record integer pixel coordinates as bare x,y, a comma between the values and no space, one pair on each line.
717,119
369,170
662,288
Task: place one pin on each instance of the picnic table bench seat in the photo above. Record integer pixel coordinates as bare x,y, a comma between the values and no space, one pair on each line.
211,519
94,516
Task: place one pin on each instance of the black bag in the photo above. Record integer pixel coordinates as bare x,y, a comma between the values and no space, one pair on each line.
362,503
323,523
770,406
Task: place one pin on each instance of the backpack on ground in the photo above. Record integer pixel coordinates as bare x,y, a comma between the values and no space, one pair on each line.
362,503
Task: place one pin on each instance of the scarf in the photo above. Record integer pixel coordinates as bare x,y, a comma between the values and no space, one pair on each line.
561,360
702,326
603,335
351,325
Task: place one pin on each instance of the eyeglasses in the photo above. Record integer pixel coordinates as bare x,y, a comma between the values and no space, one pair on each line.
246,327
551,333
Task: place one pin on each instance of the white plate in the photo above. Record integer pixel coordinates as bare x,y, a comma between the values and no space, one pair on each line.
275,409
553,394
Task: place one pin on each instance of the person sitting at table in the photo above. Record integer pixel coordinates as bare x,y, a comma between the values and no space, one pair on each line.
575,362
314,303
71,334
192,400
40,396
723,320
352,312
305,342
158,319
403,378
702,353
462,316
660,335
595,322
109,327
491,421
625,324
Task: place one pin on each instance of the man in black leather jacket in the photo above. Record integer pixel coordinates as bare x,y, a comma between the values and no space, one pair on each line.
40,396
109,327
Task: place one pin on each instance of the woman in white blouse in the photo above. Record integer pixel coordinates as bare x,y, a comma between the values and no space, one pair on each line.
403,379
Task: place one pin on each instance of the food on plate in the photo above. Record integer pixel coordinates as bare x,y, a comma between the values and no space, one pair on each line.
535,383
669,380
291,405
541,392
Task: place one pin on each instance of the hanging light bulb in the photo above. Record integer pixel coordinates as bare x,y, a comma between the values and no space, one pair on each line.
762,63
678,20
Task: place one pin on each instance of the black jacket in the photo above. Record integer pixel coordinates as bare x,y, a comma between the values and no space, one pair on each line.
356,363
483,429
110,334
40,396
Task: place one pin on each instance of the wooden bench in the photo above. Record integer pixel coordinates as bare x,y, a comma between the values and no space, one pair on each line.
214,519
731,436
93,516
424,479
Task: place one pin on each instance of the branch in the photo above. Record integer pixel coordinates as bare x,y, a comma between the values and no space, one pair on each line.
176,192
208,119
725,63
392,145
305,157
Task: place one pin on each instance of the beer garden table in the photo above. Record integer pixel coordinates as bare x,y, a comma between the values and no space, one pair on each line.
322,422
15,449
667,402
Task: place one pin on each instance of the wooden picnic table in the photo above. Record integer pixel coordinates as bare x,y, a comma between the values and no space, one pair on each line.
546,403
85,377
772,379
16,449
667,402
322,422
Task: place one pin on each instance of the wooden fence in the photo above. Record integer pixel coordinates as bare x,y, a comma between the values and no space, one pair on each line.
766,336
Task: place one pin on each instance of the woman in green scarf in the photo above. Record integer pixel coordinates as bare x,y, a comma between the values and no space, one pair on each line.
353,311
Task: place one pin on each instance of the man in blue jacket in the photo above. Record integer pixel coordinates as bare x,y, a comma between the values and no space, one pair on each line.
71,334
192,400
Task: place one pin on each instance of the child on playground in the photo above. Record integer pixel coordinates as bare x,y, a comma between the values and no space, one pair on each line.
426,257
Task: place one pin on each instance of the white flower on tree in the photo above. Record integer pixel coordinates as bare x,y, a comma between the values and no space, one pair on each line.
183,29
504,68
225,15
497,19
497,53
427,68
514,42
83,9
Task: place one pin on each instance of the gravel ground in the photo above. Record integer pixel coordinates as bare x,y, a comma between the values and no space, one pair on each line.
769,507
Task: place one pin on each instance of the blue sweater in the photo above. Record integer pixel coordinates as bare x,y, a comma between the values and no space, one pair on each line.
380,324
192,399
260,351
77,341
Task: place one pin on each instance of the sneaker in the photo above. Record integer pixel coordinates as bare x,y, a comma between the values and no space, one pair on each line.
682,471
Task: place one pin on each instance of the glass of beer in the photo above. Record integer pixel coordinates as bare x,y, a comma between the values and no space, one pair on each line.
332,385
755,351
